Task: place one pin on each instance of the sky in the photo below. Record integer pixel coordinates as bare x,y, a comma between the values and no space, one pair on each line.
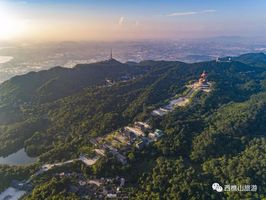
111,20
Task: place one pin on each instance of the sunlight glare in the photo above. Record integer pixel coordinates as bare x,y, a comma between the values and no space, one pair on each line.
11,26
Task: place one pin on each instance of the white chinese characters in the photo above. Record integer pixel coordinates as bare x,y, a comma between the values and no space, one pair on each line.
234,188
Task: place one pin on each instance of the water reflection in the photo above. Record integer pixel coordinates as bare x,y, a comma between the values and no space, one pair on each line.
18,158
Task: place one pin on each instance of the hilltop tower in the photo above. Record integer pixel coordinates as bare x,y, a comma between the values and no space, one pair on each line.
111,54
203,78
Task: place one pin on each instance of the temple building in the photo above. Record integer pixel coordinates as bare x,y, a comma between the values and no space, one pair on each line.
203,78
203,83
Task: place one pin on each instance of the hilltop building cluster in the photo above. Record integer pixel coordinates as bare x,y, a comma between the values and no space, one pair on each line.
201,85
95,188
228,59
119,143
103,188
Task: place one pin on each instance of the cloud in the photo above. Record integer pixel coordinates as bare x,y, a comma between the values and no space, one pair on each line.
190,13
127,22
181,14
207,11
121,21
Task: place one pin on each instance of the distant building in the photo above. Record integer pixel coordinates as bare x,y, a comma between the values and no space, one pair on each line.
203,78
152,136
140,145
136,131
109,82
100,152
158,133
131,136
227,59
144,141
111,195
142,125
121,138
160,112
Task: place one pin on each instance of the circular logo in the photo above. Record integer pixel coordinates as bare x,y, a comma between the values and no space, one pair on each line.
217,187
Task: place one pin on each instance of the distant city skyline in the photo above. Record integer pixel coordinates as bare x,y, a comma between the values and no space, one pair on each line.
109,20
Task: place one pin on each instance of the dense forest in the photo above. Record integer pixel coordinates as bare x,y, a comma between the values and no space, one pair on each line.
219,137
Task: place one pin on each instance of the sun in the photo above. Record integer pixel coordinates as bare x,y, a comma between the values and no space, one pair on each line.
11,26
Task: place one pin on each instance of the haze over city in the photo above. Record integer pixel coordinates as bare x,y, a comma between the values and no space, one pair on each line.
77,20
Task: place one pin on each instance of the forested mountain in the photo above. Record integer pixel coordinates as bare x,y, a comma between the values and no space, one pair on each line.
45,85
254,59
219,137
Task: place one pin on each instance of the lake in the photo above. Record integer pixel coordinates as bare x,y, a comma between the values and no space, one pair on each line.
12,194
5,59
18,158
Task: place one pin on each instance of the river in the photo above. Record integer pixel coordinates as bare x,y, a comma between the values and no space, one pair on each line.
18,158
